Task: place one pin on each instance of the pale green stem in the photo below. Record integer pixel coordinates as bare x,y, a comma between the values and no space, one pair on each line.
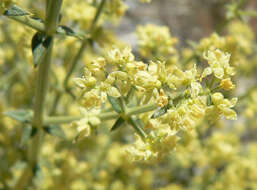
103,116
137,128
40,95
141,109
77,58
40,26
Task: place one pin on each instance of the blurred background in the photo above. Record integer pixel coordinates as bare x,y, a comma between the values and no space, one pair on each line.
187,19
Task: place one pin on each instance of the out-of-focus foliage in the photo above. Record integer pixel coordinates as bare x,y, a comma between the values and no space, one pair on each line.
160,117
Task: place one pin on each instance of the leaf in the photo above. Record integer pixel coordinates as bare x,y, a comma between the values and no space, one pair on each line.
55,130
159,112
119,122
15,11
137,128
39,44
23,116
66,30
115,103
27,132
209,101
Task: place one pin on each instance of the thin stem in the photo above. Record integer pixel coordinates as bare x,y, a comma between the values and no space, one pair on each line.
103,116
78,56
141,109
97,15
83,45
28,21
137,128
74,64
40,26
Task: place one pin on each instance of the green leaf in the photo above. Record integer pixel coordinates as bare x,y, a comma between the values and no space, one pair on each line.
137,128
55,130
39,44
15,11
64,29
27,133
159,112
23,116
115,103
119,122
209,101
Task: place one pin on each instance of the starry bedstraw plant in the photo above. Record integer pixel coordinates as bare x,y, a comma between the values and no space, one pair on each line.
162,100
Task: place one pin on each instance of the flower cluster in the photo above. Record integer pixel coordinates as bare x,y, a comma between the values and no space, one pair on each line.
180,95
130,112
155,42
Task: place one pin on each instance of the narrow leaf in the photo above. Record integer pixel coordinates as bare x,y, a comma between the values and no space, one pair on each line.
24,116
39,44
55,130
209,101
15,11
64,29
115,103
137,128
119,122
27,132
159,112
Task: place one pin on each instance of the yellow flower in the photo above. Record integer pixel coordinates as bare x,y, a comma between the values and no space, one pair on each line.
223,106
120,57
145,80
162,99
155,41
227,84
219,64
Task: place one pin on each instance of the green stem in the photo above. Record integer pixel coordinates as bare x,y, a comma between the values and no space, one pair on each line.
40,95
83,45
78,56
40,26
28,21
137,128
97,15
103,116
141,109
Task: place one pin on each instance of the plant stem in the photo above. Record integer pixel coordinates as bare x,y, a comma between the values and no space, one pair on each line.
77,58
40,95
137,128
103,116
141,109
40,26
28,21
83,45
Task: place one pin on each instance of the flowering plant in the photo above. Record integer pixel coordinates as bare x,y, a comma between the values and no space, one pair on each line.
82,109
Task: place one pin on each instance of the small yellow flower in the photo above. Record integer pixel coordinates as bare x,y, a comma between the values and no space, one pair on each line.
219,64
223,106
227,84
162,99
